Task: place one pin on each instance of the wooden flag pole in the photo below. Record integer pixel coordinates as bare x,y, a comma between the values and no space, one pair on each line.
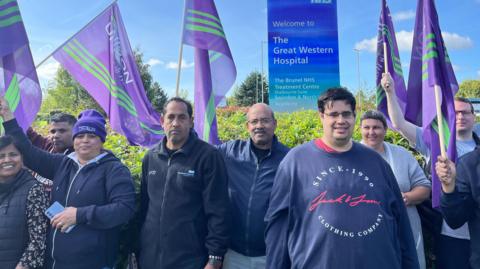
385,55
438,104
180,53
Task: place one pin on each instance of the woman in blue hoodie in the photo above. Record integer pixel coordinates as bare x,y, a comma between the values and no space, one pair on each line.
93,186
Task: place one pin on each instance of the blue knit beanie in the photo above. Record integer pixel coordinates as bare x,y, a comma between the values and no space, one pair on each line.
90,121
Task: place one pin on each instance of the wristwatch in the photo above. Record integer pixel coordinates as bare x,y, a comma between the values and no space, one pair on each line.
215,260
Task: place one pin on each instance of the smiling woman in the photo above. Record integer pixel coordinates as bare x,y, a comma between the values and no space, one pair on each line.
94,187
23,225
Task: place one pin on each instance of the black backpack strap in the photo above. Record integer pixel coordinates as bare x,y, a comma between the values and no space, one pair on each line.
476,139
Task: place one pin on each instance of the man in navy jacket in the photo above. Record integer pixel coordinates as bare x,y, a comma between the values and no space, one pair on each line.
461,197
335,203
251,166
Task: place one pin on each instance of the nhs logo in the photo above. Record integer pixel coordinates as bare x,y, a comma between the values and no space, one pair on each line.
320,1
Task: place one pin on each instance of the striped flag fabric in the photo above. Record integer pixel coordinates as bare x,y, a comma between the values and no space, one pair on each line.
386,34
18,77
215,70
430,67
100,58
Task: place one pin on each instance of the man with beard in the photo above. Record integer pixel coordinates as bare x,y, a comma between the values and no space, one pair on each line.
335,203
251,166
184,197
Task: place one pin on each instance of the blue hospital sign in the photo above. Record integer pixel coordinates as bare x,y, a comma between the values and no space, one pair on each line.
302,52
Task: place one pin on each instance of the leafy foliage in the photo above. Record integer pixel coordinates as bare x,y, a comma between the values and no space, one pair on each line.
67,95
469,88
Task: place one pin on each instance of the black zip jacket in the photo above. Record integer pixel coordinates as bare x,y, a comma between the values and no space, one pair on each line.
184,206
249,187
463,205
103,193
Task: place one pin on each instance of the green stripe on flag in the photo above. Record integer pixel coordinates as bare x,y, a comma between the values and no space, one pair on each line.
8,11
100,67
214,56
397,67
157,132
193,27
380,95
209,117
91,56
431,45
446,134
88,58
123,99
4,2
10,21
205,14
12,94
209,23
430,55
95,74
425,76
430,36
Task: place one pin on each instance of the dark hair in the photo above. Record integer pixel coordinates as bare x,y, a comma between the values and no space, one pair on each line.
179,100
63,117
374,115
336,94
465,100
7,140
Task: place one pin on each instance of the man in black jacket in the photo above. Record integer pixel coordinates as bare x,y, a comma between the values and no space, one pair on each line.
184,198
460,197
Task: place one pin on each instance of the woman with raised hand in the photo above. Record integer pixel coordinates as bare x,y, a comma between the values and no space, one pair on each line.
91,184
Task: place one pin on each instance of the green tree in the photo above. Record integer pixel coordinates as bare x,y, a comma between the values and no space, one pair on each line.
469,88
157,96
249,92
67,95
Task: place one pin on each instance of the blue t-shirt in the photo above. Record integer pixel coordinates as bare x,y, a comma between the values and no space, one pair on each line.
337,210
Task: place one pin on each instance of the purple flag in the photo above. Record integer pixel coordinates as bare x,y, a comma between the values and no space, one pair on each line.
435,69
386,33
18,77
100,58
215,70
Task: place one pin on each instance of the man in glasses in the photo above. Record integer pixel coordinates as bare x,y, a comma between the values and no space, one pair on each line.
251,166
335,203
452,246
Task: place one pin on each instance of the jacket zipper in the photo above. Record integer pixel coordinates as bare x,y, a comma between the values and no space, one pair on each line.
165,189
247,225
250,199
66,201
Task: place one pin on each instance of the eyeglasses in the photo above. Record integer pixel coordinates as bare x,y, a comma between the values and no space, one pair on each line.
463,113
335,115
261,120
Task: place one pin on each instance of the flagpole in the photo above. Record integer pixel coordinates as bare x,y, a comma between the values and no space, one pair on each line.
68,40
385,55
438,92
180,53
